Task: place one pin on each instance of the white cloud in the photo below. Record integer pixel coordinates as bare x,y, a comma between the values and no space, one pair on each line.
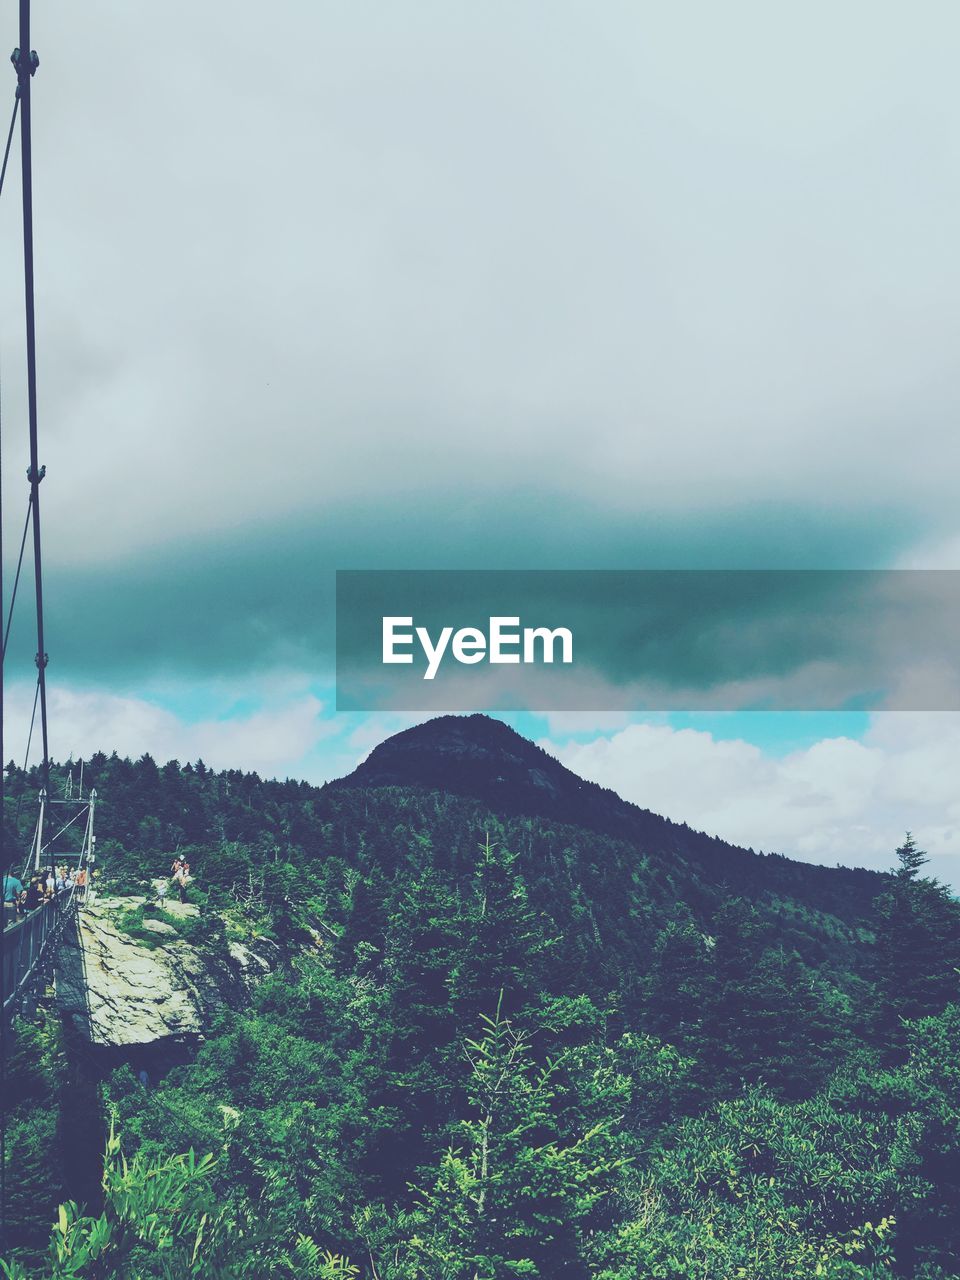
271,740
373,729
940,553
838,800
320,290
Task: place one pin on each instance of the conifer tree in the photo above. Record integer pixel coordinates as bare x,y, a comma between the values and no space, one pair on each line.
917,952
513,1196
502,945
680,985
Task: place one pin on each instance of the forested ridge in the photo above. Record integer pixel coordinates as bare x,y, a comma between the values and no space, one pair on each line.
500,1042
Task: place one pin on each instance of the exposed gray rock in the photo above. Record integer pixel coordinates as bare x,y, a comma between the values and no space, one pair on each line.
119,992
161,927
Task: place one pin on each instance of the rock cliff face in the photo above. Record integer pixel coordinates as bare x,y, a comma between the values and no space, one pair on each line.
150,988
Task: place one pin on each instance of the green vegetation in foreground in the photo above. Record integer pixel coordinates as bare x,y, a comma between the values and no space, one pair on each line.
503,1047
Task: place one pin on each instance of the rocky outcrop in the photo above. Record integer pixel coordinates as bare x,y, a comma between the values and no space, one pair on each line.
123,989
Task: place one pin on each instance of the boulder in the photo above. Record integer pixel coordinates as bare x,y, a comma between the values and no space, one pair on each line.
119,991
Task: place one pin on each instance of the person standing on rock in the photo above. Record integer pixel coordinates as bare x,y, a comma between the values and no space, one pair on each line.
180,878
162,889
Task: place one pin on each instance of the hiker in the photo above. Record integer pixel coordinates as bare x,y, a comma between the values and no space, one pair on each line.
163,887
34,896
12,893
180,880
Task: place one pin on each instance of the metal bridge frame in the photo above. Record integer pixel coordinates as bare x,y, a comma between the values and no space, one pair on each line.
31,942
28,946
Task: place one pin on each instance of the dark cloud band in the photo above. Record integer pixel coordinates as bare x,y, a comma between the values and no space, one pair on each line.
649,640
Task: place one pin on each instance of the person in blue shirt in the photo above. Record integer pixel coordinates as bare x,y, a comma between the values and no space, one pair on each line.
12,892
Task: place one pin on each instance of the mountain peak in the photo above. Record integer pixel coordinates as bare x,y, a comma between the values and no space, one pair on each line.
484,759
472,755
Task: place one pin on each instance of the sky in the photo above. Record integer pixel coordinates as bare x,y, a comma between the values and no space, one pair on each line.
443,285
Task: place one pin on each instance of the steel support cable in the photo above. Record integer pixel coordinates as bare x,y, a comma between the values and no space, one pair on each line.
16,580
24,70
26,63
36,698
4,868
65,827
6,150
4,857
26,758
3,656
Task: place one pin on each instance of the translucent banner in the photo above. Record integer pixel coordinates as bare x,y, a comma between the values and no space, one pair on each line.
648,640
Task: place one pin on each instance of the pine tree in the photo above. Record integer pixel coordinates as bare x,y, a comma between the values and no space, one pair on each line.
917,952
502,945
514,1196
423,941
911,859
680,985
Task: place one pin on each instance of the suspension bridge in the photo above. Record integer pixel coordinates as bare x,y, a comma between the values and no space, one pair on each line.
45,879
33,930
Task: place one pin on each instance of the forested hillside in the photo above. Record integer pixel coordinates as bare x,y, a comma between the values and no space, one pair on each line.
517,1027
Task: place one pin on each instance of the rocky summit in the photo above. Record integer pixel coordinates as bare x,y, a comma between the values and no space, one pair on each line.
126,980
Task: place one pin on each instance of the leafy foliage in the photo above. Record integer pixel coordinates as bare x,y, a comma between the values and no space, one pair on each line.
496,1044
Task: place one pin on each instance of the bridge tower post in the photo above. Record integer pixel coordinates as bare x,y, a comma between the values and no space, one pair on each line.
88,854
38,841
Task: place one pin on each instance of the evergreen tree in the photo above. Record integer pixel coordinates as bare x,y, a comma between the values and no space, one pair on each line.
514,1196
917,951
502,941
680,987
423,942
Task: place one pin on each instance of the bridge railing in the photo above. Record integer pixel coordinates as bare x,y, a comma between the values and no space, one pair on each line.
28,942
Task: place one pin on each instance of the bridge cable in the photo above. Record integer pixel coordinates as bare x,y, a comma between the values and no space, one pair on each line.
16,581
6,150
4,870
4,860
26,754
76,817
4,857
26,63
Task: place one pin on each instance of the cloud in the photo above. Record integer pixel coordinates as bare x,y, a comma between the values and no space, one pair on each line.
482,286
502,252
654,640
505,286
272,740
936,554
262,598
837,800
